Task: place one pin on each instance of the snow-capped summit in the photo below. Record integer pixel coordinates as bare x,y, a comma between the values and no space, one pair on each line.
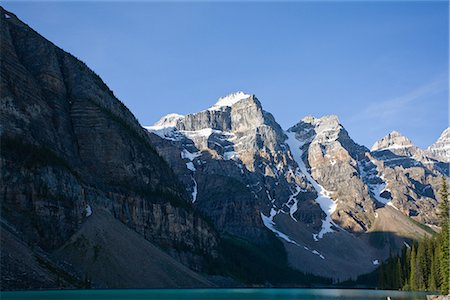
393,141
325,129
441,148
166,127
169,120
229,100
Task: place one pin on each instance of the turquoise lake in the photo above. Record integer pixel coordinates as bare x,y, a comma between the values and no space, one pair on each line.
213,294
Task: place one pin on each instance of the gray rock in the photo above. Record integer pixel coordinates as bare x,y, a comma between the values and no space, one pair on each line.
68,142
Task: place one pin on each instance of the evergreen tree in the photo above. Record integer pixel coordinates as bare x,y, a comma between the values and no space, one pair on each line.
425,266
434,275
398,274
421,266
412,272
444,240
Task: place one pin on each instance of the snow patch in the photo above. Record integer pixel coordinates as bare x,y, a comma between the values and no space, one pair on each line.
270,224
292,202
229,100
230,155
205,132
191,156
88,210
325,202
194,192
391,147
317,253
168,133
169,120
190,166
376,189
7,16
375,262
269,197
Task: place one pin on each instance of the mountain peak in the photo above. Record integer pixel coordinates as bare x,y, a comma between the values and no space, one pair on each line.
393,140
443,138
169,120
441,148
395,133
328,119
229,100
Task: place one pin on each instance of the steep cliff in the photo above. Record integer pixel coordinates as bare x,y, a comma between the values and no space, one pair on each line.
68,145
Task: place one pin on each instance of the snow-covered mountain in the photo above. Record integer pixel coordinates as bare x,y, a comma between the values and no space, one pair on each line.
395,142
440,150
311,186
236,143
224,192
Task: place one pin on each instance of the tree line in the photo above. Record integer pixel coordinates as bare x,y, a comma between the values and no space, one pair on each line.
424,265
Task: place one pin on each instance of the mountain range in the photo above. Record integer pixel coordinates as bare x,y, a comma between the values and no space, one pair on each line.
221,197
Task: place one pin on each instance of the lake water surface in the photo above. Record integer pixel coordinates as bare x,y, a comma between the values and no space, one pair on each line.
215,294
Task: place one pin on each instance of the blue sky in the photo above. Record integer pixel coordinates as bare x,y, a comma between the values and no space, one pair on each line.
379,66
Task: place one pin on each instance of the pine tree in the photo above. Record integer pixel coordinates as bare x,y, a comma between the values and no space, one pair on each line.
425,266
406,263
381,279
444,240
412,272
433,278
421,266
398,274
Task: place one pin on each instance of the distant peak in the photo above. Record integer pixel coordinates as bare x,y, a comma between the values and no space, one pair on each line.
308,119
393,140
445,135
394,133
329,119
441,148
169,120
230,100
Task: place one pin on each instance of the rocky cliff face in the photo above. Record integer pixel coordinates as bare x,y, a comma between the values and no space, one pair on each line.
412,176
441,149
310,185
237,145
395,172
333,159
68,145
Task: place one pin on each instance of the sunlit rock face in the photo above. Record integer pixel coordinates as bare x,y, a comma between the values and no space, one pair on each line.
234,161
412,175
440,150
333,159
309,184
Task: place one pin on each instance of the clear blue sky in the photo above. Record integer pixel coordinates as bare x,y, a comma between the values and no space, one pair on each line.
379,66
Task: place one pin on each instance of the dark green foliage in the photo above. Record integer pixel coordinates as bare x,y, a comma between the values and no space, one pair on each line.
444,237
262,265
426,265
